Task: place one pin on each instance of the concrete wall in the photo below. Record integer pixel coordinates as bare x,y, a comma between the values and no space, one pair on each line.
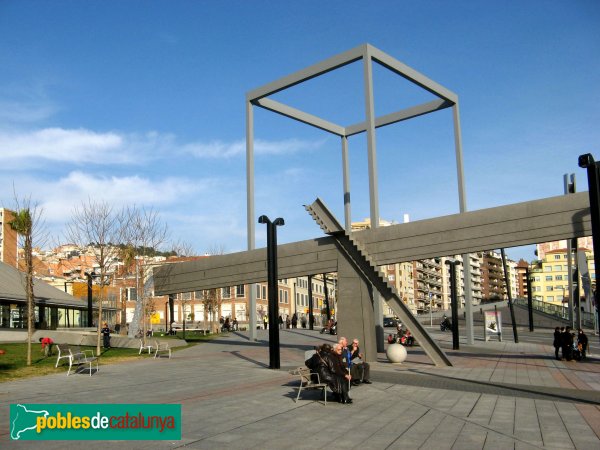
355,309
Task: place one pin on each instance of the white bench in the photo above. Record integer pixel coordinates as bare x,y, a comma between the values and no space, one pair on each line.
162,348
144,347
78,357
63,353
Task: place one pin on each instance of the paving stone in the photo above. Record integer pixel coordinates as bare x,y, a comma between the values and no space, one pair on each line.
231,400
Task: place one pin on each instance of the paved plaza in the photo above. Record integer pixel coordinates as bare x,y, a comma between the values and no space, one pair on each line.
497,395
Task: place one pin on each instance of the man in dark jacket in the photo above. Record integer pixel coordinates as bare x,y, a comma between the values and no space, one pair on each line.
339,369
105,335
567,344
582,342
557,342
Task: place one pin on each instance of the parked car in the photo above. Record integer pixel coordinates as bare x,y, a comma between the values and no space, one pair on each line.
390,322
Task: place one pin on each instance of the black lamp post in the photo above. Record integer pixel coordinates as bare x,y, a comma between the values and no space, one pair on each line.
327,308
90,318
274,360
530,298
509,295
454,303
593,172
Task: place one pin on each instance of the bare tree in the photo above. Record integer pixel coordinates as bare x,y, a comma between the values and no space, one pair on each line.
182,248
96,226
26,223
213,298
145,233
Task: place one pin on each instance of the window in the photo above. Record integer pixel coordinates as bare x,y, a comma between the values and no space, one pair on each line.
264,292
557,268
198,295
280,296
239,290
548,277
285,297
558,277
556,256
186,296
548,268
550,298
131,294
258,291
549,288
226,292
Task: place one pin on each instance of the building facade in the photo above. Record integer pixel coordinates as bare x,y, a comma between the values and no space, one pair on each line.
8,239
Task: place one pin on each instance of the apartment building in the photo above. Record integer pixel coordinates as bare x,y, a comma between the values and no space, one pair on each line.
493,286
522,268
8,239
474,267
550,277
293,294
429,277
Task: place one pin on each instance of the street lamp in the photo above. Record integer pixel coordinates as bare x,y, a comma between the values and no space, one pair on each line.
454,302
90,318
274,360
430,307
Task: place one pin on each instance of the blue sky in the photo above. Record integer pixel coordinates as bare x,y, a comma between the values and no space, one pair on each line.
142,102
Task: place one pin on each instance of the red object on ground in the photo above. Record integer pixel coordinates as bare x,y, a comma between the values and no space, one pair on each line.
2,352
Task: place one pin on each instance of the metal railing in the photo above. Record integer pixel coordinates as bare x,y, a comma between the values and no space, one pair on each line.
559,311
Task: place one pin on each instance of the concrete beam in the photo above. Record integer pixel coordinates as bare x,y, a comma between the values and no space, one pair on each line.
549,219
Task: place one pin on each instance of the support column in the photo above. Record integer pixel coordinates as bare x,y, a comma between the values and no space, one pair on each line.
346,179
355,308
327,308
251,231
311,317
373,185
462,200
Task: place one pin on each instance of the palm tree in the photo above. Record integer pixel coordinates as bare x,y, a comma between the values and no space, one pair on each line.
22,223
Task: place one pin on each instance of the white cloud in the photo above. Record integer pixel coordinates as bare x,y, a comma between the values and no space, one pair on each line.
58,144
12,111
82,146
220,149
58,197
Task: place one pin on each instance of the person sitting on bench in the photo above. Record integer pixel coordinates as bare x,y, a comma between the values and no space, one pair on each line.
360,369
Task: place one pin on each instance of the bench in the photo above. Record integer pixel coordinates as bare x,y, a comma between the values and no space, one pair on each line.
80,357
306,382
63,353
163,348
76,357
144,347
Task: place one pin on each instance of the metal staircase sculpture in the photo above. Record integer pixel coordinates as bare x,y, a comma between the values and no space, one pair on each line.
369,271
